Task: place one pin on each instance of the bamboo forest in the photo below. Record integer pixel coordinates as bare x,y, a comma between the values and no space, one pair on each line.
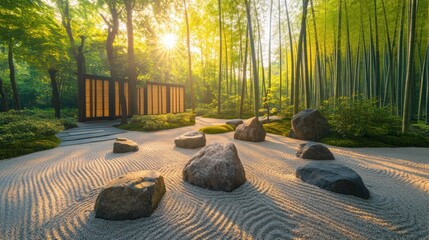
214,119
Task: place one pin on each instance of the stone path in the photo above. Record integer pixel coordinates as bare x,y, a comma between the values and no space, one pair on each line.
89,132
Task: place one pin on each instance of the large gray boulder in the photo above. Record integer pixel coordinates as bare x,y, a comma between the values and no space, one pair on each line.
251,130
130,196
215,167
309,124
314,151
234,122
123,145
333,177
192,139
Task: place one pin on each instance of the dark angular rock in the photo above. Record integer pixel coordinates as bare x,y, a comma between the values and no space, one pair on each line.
234,122
333,177
215,167
123,145
251,130
314,151
192,139
130,196
309,124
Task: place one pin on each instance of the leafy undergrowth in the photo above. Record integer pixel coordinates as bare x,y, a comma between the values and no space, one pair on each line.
420,128
413,139
19,148
26,131
405,140
216,129
159,122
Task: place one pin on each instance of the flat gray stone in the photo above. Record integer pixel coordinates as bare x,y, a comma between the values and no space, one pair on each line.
234,122
130,196
333,177
123,145
192,139
314,151
215,167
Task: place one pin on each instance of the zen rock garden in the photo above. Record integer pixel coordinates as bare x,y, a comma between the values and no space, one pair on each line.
218,167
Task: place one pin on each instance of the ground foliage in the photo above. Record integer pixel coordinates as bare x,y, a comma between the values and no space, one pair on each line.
216,129
159,122
27,131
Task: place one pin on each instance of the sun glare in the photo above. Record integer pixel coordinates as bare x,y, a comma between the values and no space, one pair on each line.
169,41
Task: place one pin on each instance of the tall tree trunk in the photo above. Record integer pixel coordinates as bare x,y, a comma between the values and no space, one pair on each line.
400,74
188,43
292,62
16,102
244,80
338,54
410,64
319,72
81,70
55,93
3,95
132,75
255,69
269,44
299,56
280,58
78,54
377,79
219,90
113,28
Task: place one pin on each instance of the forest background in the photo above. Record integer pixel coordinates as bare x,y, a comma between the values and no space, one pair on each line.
236,58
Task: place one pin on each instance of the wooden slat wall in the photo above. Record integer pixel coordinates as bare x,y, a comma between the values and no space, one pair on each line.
161,98
97,98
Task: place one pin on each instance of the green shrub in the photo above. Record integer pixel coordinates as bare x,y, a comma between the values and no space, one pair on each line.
19,148
159,122
216,129
25,125
359,117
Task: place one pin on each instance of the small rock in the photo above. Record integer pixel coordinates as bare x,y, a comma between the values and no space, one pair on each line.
333,177
309,124
130,196
215,167
192,139
314,151
123,145
234,122
251,130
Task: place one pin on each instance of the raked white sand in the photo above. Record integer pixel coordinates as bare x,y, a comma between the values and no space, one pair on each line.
51,194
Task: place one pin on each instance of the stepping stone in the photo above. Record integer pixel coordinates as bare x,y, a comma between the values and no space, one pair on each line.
309,124
314,151
215,167
123,145
234,122
333,177
130,196
251,130
192,139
